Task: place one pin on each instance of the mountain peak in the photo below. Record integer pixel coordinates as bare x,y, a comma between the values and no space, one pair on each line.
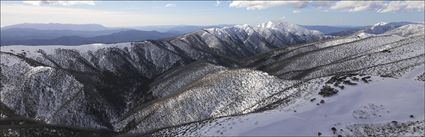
277,24
380,24
288,27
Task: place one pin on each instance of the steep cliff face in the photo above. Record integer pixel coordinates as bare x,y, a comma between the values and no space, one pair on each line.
47,94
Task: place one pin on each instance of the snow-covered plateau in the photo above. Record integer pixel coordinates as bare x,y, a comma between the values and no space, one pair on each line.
274,79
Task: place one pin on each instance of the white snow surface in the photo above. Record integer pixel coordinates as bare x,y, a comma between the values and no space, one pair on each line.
408,30
381,101
280,25
404,29
32,51
221,93
380,24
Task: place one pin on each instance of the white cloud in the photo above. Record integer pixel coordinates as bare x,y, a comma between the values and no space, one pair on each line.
354,6
18,13
59,2
296,11
256,5
217,3
350,6
170,5
323,5
394,6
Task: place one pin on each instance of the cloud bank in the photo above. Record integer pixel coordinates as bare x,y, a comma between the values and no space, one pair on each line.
217,3
350,6
170,5
256,5
22,13
59,2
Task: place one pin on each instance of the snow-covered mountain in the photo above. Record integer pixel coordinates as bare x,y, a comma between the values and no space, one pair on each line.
382,27
180,86
341,89
376,29
408,30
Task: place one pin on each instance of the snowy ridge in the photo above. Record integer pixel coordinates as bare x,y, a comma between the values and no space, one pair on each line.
408,30
379,28
380,24
266,36
382,27
288,27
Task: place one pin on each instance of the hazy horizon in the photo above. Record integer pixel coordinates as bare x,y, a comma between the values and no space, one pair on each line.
177,25
204,13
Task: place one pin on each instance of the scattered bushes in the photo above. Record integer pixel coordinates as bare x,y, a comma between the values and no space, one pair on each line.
327,91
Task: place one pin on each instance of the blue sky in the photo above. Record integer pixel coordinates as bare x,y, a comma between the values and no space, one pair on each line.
145,13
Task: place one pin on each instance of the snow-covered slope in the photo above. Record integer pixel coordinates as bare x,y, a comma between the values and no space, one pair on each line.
338,67
404,29
361,106
217,94
380,28
363,109
408,30
47,94
380,55
383,27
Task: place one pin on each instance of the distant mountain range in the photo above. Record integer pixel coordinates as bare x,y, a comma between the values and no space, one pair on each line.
77,37
72,34
78,34
58,26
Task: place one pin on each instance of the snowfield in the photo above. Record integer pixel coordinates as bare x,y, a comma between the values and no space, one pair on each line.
380,101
